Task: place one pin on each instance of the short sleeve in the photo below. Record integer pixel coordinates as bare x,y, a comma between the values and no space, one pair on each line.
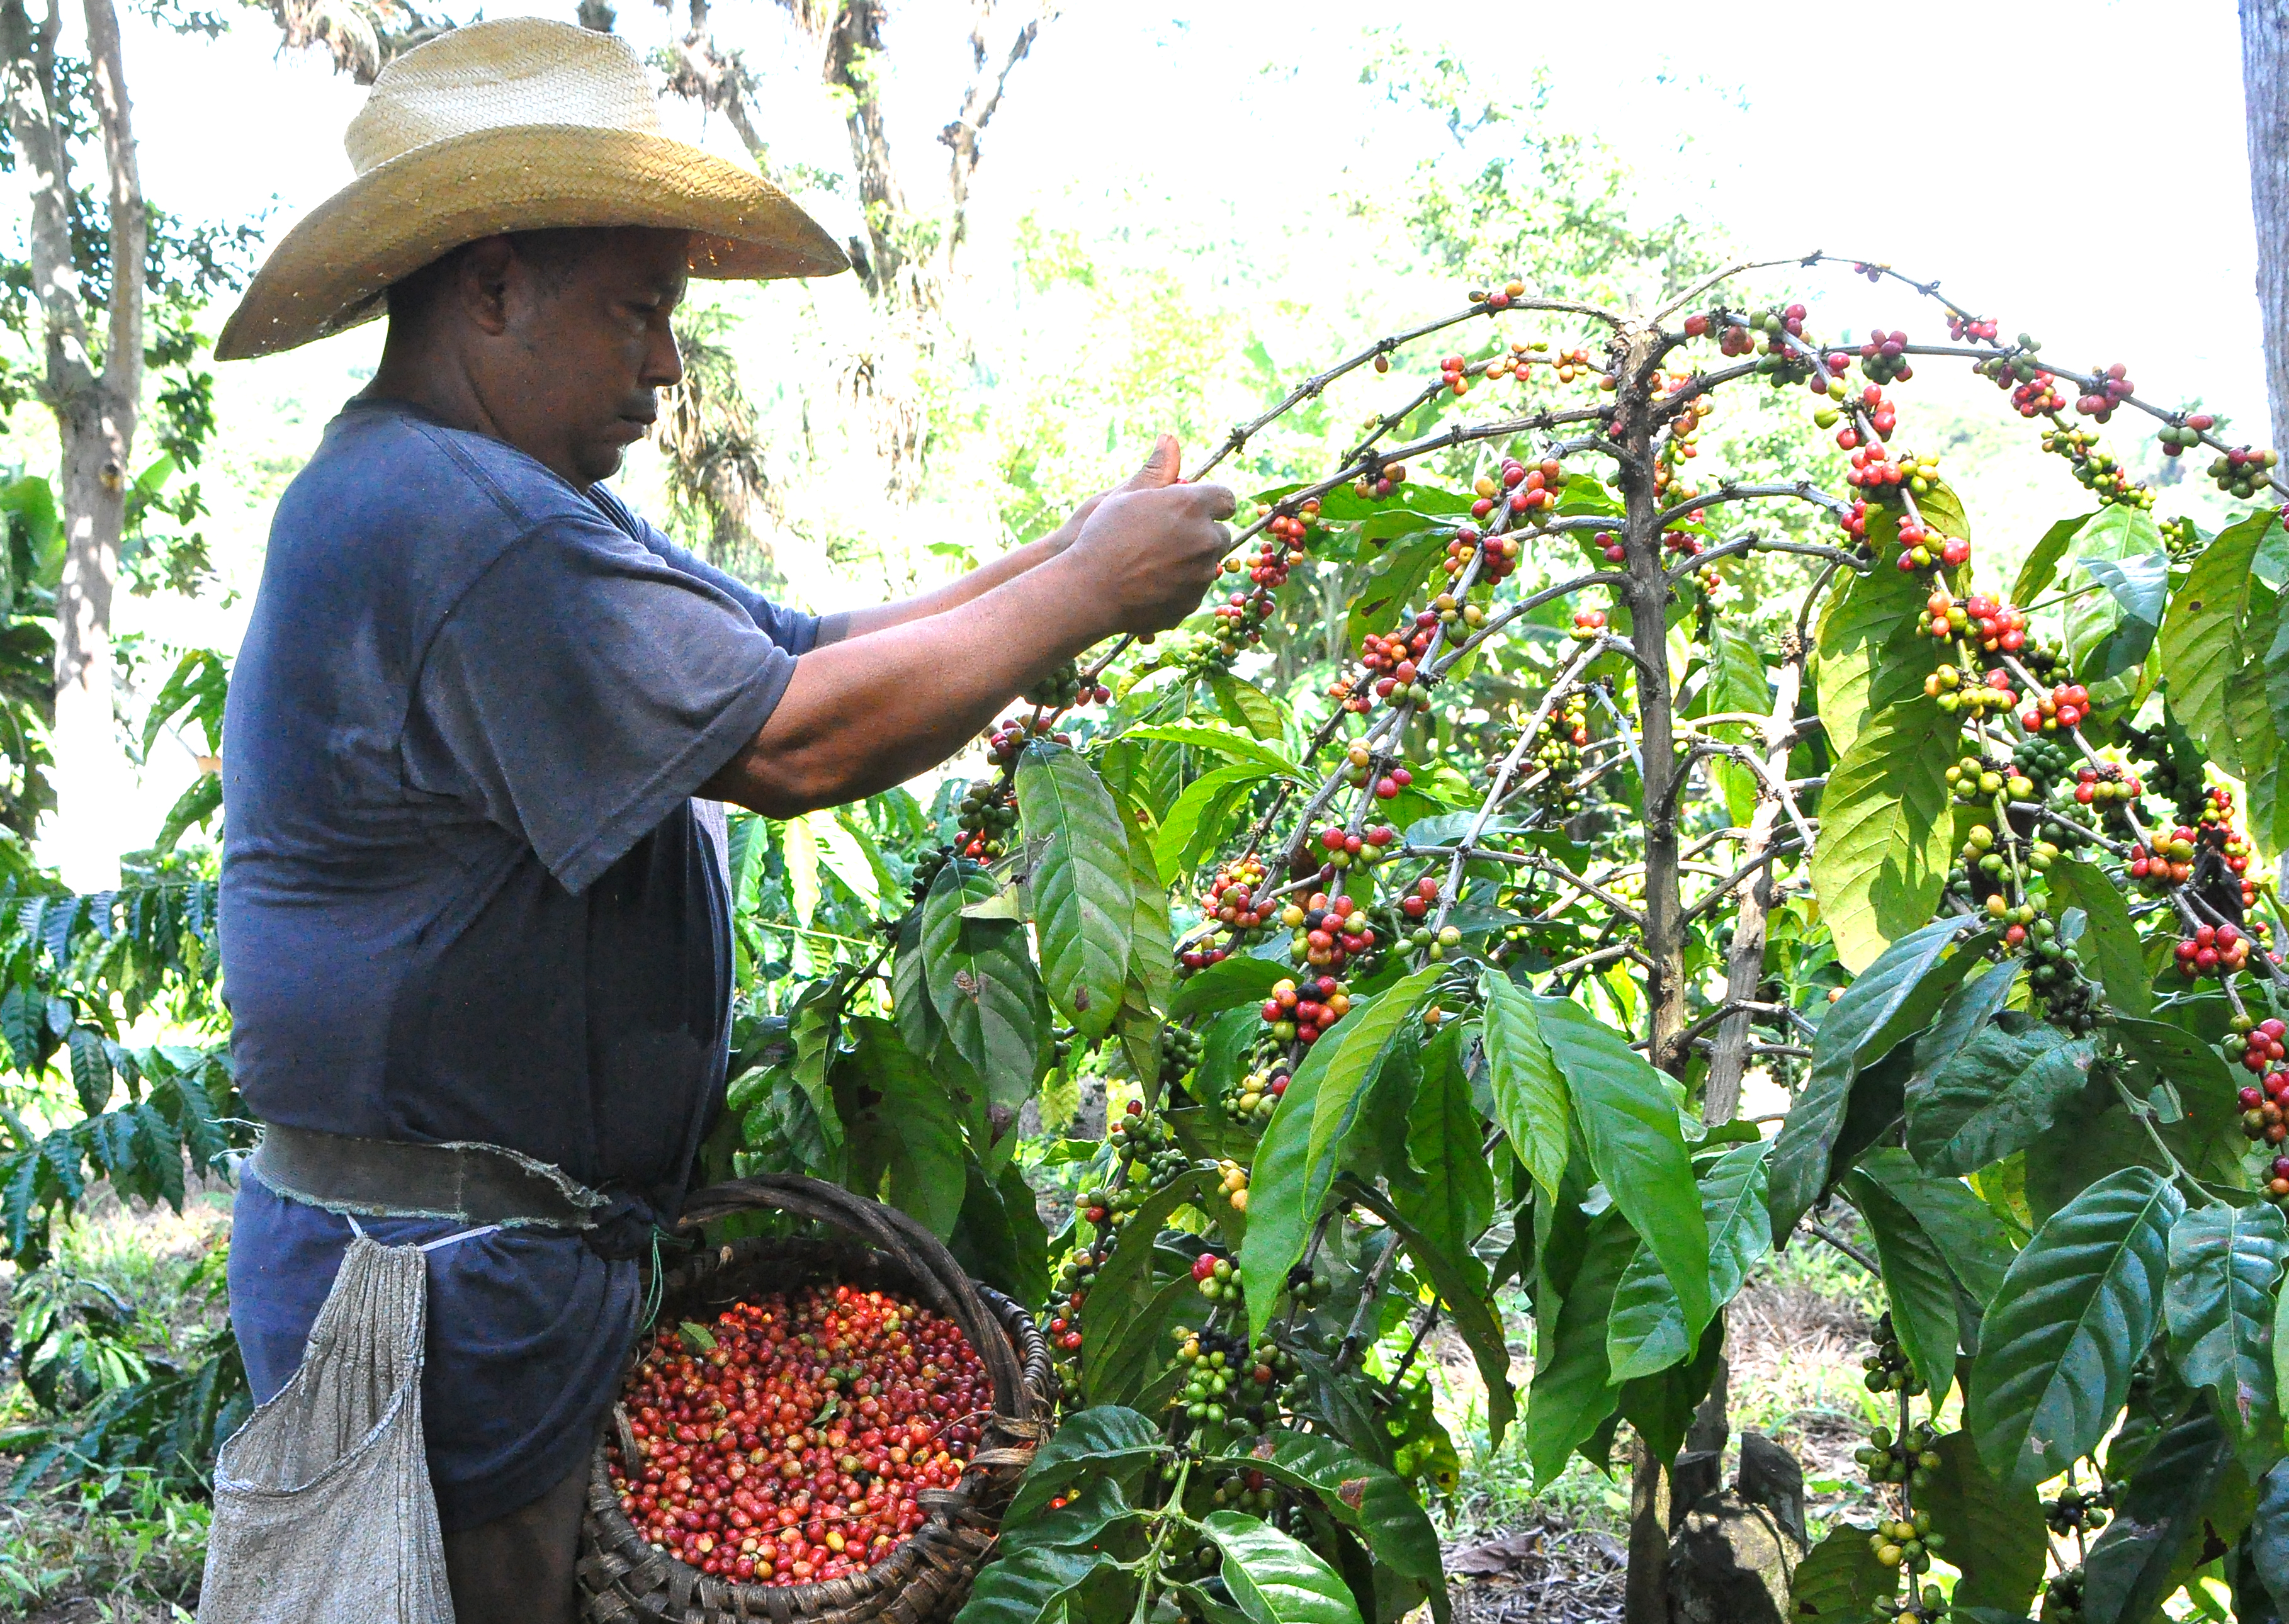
581,689
791,629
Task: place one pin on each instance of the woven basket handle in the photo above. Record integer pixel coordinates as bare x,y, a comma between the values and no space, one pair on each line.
889,1230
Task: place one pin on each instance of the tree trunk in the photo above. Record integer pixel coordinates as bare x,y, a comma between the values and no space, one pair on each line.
91,770
2265,95
95,410
1645,1595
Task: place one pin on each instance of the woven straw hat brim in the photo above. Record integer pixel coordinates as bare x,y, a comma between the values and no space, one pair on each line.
328,272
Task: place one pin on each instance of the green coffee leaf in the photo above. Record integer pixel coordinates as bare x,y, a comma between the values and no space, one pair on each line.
1529,1090
2201,640
1084,905
1885,835
2076,1309
1637,1146
1890,1001
1275,1579
1103,1440
1995,1093
1840,1578
2224,1263
1995,1535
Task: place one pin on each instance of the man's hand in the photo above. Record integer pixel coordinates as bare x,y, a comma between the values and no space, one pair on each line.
1152,545
1160,466
884,703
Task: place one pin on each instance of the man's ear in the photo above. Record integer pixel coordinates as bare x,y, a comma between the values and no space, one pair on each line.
481,281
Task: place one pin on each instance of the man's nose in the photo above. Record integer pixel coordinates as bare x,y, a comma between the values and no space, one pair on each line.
663,361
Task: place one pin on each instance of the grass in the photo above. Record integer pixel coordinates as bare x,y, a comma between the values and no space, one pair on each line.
122,1549
1794,1339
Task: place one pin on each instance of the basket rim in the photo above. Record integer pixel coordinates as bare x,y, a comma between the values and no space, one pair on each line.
948,1512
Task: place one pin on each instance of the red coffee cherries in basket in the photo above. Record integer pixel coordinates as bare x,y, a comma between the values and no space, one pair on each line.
786,1442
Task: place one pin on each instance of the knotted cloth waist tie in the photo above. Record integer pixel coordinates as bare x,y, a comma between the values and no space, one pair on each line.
465,1183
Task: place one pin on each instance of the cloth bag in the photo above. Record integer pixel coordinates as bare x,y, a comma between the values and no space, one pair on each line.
322,1508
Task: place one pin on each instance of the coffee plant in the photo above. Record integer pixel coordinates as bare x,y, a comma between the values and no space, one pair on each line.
1531,783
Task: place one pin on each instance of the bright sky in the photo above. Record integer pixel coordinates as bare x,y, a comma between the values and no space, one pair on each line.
2077,172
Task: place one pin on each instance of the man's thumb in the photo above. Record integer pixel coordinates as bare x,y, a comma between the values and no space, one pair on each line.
1160,469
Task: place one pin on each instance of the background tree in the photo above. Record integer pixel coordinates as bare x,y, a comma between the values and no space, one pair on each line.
2265,85
79,301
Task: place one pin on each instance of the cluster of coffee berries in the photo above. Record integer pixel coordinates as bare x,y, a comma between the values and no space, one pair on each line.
1883,357
2015,369
1064,688
2096,467
1181,1049
1960,326
2077,1512
988,813
1009,736
1250,1102
926,871
2263,1112
2212,949
1497,555
2062,1597
1908,1459
1888,1366
1061,1319
1231,898
1906,1542
1227,1383
2184,436
1231,1184
1958,694
1329,932
1298,1012
1217,1278
1393,661
1248,1490
2064,707
1339,849
1517,488
2108,389
2169,863
1377,483
2105,786
1991,623
1147,1147
2054,977
789,1441
1589,624
2243,473
1240,624
1977,782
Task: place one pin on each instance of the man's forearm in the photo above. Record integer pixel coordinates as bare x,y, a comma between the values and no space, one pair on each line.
879,706
965,589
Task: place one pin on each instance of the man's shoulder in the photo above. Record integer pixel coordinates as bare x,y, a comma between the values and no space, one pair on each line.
385,469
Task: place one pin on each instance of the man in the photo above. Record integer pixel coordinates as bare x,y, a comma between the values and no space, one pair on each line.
474,934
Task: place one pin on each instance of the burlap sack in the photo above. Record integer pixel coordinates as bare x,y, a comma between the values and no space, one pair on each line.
322,1508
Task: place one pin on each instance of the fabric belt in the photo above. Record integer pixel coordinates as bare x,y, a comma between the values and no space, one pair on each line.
467,1183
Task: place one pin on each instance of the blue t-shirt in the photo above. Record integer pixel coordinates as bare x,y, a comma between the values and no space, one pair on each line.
465,894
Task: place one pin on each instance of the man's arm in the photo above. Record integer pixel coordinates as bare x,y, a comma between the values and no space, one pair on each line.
1159,469
874,709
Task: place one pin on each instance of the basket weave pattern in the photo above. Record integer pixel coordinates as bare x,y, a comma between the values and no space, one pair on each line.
927,1576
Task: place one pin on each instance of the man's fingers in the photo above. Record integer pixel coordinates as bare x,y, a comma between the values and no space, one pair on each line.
1160,469
1222,503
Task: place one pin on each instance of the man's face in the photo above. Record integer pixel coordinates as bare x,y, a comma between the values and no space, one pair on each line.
585,345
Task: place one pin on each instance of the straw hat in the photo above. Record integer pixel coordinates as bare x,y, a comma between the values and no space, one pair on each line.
516,125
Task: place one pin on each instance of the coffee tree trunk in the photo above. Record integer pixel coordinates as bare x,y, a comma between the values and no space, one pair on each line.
1646,593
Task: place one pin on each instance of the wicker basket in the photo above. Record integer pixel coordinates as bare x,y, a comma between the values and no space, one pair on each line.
624,1580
